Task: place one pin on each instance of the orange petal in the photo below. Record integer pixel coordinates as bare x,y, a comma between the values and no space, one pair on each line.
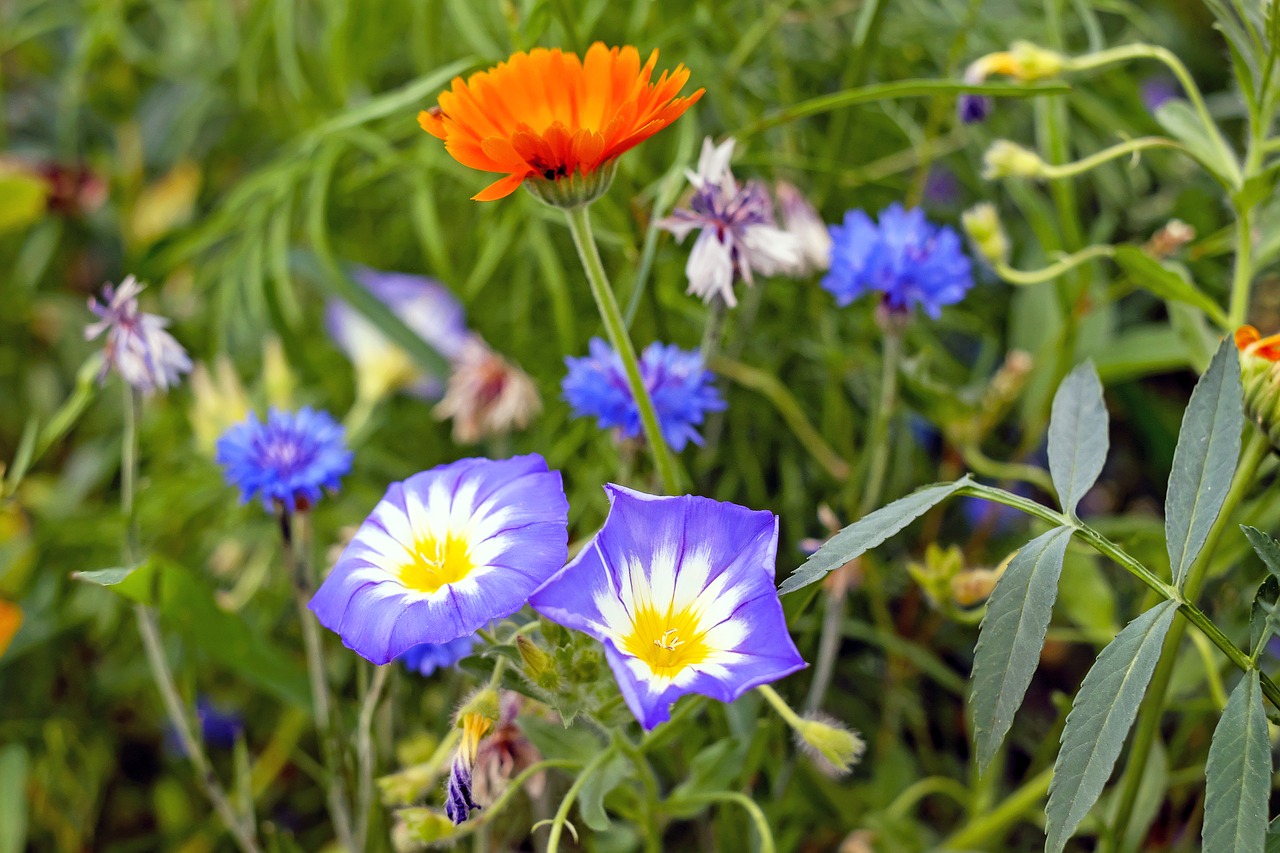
1246,335
10,621
500,188
432,121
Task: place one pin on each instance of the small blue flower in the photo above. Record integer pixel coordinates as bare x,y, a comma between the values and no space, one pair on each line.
682,391
973,109
906,258
426,658
286,460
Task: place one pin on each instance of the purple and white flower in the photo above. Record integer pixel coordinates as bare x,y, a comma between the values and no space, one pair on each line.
802,221
680,590
739,235
444,553
425,305
138,345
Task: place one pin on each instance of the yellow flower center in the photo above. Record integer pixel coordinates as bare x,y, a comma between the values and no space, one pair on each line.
668,642
436,562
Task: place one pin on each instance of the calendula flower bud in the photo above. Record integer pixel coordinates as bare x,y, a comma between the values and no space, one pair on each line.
832,745
982,224
934,574
1005,159
1032,62
1260,374
973,586
572,190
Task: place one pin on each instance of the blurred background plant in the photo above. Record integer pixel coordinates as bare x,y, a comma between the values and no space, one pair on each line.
238,156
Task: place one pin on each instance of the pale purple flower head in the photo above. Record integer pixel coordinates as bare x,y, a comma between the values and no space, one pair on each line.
802,221
138,345
680,592
905,258
682,390
425,305
287,460
739,235
444,553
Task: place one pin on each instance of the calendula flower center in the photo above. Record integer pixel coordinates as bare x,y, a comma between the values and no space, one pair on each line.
668,641
436,562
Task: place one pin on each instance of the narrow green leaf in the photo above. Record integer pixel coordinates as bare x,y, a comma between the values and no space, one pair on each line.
13,799
1012,636
1238,774
1207,146
1267,549
597,787
1166,282
1078,437
1204,460
868,532
1264,616
1100,718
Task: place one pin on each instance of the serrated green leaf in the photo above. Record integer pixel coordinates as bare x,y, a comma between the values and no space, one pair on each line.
1267,549
1078,437
1204,460
1099,722
1205,144
868,532
1166,282
1238,774
1012,636
597,787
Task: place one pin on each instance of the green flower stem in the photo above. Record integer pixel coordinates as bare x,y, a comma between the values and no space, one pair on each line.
990,826
1060,267
1242,275
1057,172
365,756
878,437
780,705
562,813
1152,712
982,464
747,804
1125,53
648,818
298,564
149,629
776,393
616,330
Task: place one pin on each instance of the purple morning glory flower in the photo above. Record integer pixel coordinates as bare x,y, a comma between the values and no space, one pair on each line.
444,553
287,460
680,591
426,658
682,391
739,235
905,258
425,305
138,345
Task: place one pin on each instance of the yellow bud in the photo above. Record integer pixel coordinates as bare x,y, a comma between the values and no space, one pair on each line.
278,380
831,744
1005,159
1032,62
982,224
972,587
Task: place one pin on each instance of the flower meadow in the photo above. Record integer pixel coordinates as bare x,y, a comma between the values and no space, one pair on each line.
642,426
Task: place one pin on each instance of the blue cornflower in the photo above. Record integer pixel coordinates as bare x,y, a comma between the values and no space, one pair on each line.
286,460
426,658
682,391
906,258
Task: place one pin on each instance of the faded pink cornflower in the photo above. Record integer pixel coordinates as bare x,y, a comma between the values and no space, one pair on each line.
801,220
739,234
138,345
487,395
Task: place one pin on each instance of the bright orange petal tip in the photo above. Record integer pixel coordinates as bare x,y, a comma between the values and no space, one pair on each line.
1250,342
10,621
552,116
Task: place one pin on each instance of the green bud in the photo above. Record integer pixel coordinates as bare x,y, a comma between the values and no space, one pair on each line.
1005,159
573,190
828,742
982,224
935,573
483,703
538,665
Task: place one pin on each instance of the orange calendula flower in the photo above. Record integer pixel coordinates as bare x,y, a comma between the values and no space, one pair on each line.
1260,375
10,621
551,118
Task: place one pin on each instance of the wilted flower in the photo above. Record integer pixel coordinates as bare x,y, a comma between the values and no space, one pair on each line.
458,797
426,658
739,235
801,220
444,553
554,120
680,591
487,395
426,306
287,460
908,260
138,346
10,622
682,391
505,753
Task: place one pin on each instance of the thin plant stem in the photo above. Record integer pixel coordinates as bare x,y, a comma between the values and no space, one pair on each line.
1058,268
990,826
1152,712
747,804
365,756
878,438
149,630
1242,277
298,563
713,331
562,813
780,705
616,331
